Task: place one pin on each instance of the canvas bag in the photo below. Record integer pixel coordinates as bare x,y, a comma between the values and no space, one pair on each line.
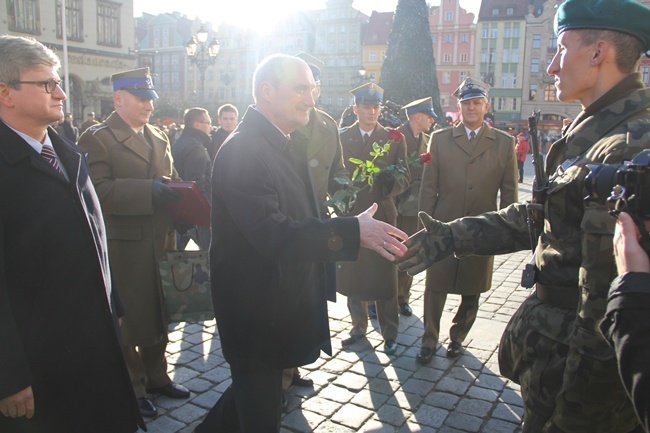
185,279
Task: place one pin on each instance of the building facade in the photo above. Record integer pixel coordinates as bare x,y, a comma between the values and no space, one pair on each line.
99,42
453,35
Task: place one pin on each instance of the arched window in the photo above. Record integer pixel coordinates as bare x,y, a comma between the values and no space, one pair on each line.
550,93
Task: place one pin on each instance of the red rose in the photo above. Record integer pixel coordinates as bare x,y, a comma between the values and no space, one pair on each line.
394,135
425,158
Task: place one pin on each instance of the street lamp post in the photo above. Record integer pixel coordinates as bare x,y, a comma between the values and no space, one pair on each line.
203,54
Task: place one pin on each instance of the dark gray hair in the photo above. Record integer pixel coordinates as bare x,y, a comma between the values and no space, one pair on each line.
19,54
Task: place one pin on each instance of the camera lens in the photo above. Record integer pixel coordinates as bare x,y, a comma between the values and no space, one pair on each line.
601,179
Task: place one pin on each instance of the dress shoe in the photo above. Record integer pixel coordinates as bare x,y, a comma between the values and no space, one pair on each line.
171,390
302,382
405,309
424,355
454,350
147,409
390,347
372,311
350,341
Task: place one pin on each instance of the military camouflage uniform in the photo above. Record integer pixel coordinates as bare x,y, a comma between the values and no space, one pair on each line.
552,346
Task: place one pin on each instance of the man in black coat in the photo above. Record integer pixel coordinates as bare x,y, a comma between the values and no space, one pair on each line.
61,363
626,325
192,162
227,116
269,250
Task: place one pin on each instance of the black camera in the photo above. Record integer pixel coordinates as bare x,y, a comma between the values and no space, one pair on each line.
624,187
390,115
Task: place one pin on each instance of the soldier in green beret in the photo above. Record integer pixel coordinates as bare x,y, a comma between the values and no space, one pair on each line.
552,346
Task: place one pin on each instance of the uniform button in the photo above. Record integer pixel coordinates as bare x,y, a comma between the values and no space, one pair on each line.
335,243
470,187
313,163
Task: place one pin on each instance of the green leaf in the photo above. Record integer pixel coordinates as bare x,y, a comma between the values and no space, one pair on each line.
356,161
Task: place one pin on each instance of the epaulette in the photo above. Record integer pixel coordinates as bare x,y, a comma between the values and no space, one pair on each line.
342,130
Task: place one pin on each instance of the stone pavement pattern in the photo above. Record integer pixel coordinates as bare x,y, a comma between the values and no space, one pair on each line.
361,389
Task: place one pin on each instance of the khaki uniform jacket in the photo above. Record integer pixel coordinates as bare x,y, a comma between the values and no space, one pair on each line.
463,180
122,167
407,202
371,277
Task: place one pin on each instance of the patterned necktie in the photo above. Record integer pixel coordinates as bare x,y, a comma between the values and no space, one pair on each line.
48,153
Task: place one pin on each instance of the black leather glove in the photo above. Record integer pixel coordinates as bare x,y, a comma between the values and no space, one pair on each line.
429,245
384,178
162,193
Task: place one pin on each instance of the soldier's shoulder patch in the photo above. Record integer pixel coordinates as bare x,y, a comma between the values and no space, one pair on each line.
96,128
344,129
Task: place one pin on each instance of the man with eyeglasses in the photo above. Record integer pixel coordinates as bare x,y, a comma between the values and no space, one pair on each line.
61,363
192,161
129,161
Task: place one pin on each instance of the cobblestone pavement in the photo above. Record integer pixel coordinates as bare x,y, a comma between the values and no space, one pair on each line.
363,389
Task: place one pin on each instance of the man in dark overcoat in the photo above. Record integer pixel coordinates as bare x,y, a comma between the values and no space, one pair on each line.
269,249
370,278
128,161
420,117
472,164
61,363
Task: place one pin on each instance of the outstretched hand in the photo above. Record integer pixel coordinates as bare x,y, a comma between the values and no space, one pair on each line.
379,236
429,245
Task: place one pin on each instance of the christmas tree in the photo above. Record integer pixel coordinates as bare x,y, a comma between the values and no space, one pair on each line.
409,70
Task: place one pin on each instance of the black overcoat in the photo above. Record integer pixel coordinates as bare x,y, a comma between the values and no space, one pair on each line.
57,327
269,250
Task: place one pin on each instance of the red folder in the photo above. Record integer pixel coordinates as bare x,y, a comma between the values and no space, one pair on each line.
192,208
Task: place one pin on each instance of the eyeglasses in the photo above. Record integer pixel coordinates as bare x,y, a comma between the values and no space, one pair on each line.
203,121
49,85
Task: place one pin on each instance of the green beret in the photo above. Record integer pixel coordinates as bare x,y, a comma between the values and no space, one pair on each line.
625,16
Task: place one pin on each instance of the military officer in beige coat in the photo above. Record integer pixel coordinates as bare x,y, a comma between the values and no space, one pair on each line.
128,159
372,278
471,164
420,117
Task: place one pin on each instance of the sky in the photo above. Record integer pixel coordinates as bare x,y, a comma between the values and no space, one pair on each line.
238,12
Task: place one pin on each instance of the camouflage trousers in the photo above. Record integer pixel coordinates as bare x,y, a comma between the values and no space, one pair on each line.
535,353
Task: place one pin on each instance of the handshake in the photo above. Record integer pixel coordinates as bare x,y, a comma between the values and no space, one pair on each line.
431,244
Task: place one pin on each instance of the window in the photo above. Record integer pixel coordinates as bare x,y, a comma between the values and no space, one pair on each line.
341,78
463,57
446,77
514,104
515,32
514,55
444,100
500,103
464,37
550,93
552,42
449,16
340,101
447,39
537,41
175,77
506,55
433,39
24,16
485,33
508,80
645,72
495,11
344,28
461,76
494,33
210,75
534,65
73,20
510,11
372,56
532,92
507,32
108,23
446,58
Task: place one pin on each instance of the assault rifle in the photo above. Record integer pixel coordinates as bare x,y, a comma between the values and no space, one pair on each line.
536,207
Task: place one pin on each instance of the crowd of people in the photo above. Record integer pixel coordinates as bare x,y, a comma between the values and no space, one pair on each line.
87,206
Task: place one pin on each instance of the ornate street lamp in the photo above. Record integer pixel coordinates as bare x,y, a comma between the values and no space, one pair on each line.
203,54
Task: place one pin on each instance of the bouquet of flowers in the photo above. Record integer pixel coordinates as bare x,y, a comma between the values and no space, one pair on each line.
363,176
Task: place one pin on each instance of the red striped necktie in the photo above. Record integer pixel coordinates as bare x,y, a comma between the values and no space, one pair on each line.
48,153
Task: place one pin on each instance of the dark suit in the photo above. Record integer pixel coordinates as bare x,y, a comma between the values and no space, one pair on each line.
57,326
267,265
